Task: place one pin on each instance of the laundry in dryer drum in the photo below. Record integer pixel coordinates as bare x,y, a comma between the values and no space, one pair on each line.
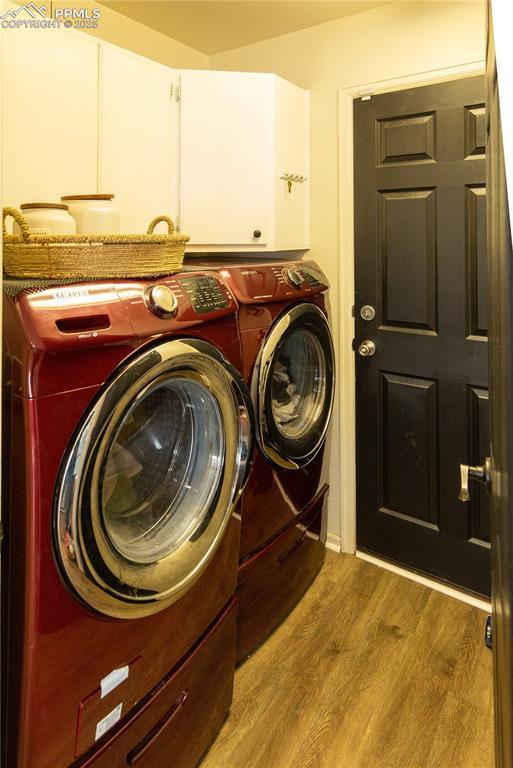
285,398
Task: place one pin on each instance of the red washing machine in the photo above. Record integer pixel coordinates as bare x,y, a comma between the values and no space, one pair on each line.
128,435
288,361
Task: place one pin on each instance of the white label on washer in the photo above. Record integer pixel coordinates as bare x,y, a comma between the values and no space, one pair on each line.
70,295
111,681
108,721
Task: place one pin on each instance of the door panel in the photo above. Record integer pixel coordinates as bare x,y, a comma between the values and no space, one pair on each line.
422,402
410,476
500,255
479,433
406,229
477,265
407,139
475,130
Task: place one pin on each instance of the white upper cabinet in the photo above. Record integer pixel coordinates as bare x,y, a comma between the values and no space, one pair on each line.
49,115
224,154
292,148
136,137
226,158
240,133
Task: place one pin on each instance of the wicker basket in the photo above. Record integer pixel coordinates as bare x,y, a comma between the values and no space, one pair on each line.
91,256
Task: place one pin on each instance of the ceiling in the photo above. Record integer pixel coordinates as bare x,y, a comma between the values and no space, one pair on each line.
212,26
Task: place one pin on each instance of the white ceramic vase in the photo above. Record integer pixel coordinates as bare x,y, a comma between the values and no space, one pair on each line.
47,218
93,214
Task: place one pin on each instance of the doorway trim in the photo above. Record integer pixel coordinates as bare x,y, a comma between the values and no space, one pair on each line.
346,372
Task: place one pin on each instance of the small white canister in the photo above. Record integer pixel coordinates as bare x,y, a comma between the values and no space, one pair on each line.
94,214
44,218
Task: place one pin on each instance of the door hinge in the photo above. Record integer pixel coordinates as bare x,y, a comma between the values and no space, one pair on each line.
177,224
176,91
353,345
353,311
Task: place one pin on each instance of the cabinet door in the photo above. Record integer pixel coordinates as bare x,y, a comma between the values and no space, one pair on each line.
49,115
292,109
226,158
135,137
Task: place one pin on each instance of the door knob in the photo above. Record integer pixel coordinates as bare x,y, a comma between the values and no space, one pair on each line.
367,348
481,474
367,313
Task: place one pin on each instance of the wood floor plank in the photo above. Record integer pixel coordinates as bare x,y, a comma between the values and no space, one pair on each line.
371,670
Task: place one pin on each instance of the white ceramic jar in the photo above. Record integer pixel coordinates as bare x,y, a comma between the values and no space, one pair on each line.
93,214
47,218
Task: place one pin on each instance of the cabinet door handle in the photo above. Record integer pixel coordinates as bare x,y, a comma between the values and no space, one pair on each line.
141,749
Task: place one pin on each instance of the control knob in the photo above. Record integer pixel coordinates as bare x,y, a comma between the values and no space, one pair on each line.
161,301
293,277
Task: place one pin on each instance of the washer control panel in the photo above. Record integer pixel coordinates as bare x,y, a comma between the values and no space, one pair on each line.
205,293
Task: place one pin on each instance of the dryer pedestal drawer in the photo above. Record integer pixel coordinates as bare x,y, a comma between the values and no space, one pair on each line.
180,719
274,580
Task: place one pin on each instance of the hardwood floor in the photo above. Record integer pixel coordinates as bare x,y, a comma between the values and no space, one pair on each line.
371,670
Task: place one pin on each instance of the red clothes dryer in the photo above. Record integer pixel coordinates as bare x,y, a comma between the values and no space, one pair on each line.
288,362
128,442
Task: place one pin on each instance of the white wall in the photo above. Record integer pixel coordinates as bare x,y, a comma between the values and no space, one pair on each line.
390,42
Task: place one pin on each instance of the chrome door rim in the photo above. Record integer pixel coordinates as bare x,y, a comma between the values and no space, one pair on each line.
260,379
102,578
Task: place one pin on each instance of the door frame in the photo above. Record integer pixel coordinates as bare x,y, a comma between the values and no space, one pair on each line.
346,541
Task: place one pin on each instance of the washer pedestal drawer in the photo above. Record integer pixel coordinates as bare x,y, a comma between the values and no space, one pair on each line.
177,722
273,580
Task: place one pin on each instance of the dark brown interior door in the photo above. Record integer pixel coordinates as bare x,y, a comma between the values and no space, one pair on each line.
501,400
422,397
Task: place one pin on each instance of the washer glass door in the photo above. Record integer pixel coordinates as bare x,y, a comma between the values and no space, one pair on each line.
149,484
293,386
162,470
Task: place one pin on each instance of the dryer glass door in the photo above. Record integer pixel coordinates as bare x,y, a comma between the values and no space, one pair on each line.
149,484
293,386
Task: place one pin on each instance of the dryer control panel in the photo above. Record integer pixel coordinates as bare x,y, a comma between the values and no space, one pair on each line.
257,283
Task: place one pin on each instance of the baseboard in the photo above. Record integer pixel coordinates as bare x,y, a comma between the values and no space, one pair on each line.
333,542
477,602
